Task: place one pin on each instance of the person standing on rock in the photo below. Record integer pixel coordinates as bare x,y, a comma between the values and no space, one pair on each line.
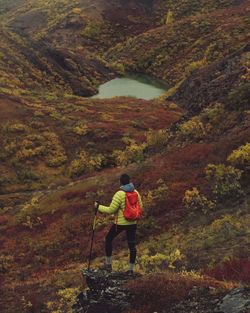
127,207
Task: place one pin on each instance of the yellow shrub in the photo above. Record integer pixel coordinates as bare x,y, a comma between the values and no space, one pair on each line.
192,129
67,298
225,180
81,129
225,223
56,153
25,153
194,201
194,66
159,261
157,194
169,18
6,262
29,209
157,138
85,163
26,305
241,157
16,128
92,30
132,153
76,10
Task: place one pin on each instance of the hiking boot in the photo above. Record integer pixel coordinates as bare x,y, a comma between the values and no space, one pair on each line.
130,273
106,267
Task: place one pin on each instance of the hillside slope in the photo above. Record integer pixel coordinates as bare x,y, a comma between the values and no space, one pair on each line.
172,52
188,152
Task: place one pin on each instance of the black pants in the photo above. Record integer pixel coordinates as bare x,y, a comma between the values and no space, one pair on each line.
114,231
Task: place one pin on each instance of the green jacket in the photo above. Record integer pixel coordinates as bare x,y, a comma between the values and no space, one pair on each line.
117,206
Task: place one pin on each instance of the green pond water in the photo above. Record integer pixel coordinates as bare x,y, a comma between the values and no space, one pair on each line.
138,87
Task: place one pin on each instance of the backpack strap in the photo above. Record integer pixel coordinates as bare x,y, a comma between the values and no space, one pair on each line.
116,215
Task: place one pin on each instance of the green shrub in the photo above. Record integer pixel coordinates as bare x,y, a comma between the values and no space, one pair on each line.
213,114
92,30
225,180
26,175
238,98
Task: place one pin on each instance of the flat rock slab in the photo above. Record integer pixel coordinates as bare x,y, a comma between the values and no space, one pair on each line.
236,301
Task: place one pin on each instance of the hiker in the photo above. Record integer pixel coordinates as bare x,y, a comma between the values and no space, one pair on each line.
119,207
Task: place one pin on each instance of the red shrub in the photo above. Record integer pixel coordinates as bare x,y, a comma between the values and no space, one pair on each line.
72,195
154,293
236,270
3,219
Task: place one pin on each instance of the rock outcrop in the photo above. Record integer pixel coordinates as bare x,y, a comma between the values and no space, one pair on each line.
236,301
206,300
106,292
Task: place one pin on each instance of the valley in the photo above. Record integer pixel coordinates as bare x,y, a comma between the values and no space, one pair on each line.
184,142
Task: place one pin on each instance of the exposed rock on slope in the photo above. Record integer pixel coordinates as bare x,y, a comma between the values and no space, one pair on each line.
213,83
106,293
204,301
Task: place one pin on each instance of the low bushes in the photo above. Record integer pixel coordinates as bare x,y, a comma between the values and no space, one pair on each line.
80,129
194,201
238,98
225,180
66,299
159,261
132,153
85,163
241,157
156,293
234,269
192,129
157,138
6,262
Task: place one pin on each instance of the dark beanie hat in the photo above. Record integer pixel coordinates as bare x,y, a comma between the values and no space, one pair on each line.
124,179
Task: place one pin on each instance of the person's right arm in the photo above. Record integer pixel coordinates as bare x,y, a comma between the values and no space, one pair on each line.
114,205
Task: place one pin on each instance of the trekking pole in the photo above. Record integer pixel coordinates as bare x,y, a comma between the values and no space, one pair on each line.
92,237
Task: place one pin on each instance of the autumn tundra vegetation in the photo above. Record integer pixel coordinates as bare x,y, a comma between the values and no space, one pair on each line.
188,151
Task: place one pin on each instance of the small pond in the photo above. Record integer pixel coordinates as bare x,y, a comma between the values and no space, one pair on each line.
138,86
